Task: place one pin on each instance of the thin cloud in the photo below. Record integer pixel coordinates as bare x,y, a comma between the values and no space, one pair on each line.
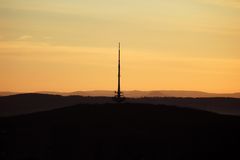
47,37
225,3
56,8
25,37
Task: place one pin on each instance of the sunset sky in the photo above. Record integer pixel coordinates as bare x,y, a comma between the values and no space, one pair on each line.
71,45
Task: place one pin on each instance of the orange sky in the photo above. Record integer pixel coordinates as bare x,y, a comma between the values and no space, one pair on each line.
61,45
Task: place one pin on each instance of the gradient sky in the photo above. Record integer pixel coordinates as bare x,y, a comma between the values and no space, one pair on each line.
69,45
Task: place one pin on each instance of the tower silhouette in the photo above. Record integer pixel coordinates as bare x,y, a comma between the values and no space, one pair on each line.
119,97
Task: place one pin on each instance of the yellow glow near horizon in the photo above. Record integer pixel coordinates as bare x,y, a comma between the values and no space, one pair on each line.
72,45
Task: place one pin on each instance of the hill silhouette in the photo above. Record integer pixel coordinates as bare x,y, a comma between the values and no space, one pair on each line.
128,131
137,93
30,103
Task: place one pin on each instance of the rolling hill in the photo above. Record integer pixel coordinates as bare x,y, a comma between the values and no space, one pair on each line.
128,131
30,103
138,94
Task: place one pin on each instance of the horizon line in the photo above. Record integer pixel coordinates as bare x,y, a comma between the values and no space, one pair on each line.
123,91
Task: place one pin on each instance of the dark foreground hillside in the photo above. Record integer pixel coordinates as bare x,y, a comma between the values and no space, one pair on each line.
120,132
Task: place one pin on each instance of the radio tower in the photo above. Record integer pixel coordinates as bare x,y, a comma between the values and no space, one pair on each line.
118,94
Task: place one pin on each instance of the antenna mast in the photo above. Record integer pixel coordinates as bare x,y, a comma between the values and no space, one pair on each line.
118,94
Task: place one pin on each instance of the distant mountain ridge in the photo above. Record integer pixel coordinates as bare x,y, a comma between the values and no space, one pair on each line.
137,93
30,103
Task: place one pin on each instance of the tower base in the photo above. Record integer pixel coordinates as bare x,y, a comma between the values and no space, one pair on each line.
119,99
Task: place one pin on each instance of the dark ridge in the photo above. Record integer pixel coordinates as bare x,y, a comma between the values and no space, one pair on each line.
138,93
30,103
120,131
